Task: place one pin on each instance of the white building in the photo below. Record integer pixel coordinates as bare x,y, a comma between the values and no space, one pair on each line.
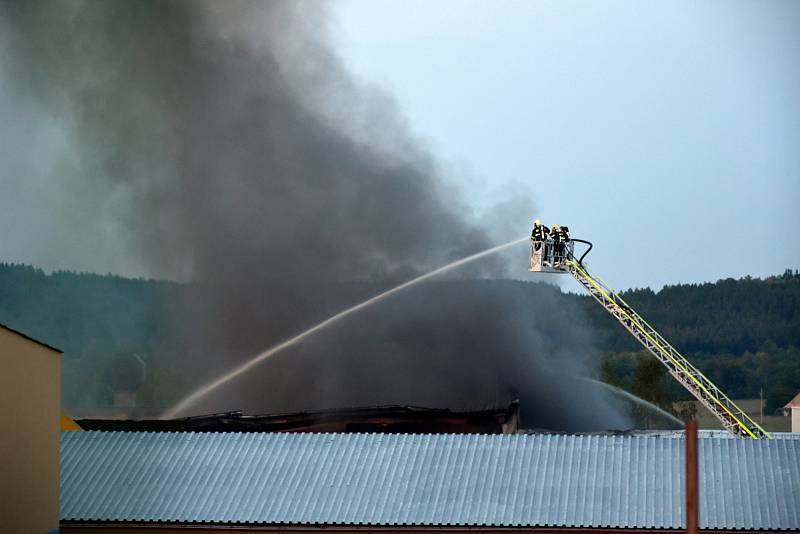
793,409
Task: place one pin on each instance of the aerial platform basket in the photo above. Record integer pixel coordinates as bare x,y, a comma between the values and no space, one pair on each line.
549,257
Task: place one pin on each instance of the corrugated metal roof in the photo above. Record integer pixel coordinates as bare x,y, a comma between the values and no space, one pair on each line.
396,479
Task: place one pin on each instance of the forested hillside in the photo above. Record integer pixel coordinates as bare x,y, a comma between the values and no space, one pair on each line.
96,320
744,334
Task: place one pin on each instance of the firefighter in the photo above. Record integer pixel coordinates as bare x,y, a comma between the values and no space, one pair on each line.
563,237
540,232
538,235
564,234
558,246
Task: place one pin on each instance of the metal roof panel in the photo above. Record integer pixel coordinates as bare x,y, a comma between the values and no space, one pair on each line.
530,480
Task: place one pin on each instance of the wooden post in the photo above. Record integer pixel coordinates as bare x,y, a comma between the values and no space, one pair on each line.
692,486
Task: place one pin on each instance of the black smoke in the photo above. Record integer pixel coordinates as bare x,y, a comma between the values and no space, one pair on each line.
225,143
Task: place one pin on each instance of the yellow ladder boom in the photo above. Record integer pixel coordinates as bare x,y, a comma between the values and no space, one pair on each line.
733,418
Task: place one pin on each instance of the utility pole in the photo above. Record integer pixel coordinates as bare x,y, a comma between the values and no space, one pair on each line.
692,476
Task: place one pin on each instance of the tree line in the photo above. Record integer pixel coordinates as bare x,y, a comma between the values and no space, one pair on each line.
743,334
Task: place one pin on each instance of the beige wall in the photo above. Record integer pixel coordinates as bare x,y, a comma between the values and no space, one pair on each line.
30,411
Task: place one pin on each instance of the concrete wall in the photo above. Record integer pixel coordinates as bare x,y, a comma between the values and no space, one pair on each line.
795,419
30,412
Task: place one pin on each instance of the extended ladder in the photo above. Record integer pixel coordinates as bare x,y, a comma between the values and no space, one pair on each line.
732,417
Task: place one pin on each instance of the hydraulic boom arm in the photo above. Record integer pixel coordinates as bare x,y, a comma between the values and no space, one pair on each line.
733,418
558,257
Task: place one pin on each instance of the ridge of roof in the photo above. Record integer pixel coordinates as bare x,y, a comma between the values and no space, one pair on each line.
29,338
794,403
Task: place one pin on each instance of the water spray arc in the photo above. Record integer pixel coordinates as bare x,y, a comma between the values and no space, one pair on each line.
201,392
636,400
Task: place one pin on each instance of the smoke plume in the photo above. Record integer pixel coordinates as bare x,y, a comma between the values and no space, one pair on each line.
225,143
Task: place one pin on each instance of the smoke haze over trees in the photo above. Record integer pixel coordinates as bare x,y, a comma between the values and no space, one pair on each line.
95,319
223,143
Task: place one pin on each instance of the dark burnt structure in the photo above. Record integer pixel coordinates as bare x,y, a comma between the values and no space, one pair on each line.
382,419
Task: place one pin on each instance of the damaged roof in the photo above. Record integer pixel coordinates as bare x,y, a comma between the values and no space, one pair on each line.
393,419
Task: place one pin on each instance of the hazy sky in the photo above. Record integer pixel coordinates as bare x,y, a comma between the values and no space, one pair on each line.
667,133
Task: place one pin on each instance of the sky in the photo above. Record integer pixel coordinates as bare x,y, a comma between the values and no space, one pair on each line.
667,133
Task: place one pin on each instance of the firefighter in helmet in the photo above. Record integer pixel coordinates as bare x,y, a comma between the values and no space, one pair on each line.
558,246
564,233
540,232
538,236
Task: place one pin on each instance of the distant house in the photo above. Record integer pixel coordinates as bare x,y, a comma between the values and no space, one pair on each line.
793,409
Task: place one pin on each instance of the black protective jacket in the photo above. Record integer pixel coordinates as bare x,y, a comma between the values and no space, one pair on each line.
540,232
